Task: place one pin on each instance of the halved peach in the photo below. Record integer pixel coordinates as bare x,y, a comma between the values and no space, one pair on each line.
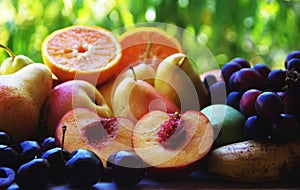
103,136
172,144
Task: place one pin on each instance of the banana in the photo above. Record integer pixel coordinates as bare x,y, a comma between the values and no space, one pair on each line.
255,161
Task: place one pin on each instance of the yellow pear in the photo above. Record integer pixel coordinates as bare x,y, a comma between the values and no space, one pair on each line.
143,71
106,90
22,95
14,62
134,98
177,80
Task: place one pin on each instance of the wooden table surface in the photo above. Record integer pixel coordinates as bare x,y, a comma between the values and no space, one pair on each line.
197,180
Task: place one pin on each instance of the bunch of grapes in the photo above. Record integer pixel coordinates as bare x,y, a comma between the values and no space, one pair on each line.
270,99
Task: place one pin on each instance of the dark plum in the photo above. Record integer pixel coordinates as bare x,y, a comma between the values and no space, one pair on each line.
48,143
256,127
276,79
247,102
291,55
57,159
9,157
126,168
84,168
285,128
7,177
33,174
5,138
247,78
241,61
29,149
228,69
233,99
268,105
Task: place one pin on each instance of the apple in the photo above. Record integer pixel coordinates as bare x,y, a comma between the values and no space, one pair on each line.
85,129
172,144
69,95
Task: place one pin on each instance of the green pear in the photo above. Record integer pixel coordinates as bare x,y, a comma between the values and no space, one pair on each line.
177,80
13,63
227,122
22,95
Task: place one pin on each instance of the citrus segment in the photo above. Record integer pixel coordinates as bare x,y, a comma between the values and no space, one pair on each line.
83,52
134,46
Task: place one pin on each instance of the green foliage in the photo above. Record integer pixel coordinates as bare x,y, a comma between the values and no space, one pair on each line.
260,31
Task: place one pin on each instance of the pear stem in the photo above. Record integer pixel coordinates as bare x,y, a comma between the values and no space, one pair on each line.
133,73
63,128
148,48
181,61
11,54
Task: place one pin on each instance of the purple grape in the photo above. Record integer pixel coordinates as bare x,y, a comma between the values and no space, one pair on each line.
247,102
276,79
291,102
231,86
285,128
228,69
218,93
294,64
233,99
291,55
256,127
241,61
263,70
268,105
209,80
246,79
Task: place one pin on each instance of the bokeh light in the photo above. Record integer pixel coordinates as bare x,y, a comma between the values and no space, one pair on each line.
260,31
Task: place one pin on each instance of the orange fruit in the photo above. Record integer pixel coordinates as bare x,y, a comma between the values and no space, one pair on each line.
82,52
134,44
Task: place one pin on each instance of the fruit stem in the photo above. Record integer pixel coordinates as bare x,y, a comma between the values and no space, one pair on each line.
11,54
292,77
133,73
176,115
148,48
64,128
181,61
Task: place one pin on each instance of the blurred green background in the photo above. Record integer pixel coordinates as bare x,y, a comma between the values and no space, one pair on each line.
260,31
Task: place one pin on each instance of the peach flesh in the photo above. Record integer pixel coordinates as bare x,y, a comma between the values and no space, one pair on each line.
171,128
85,129
196,144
